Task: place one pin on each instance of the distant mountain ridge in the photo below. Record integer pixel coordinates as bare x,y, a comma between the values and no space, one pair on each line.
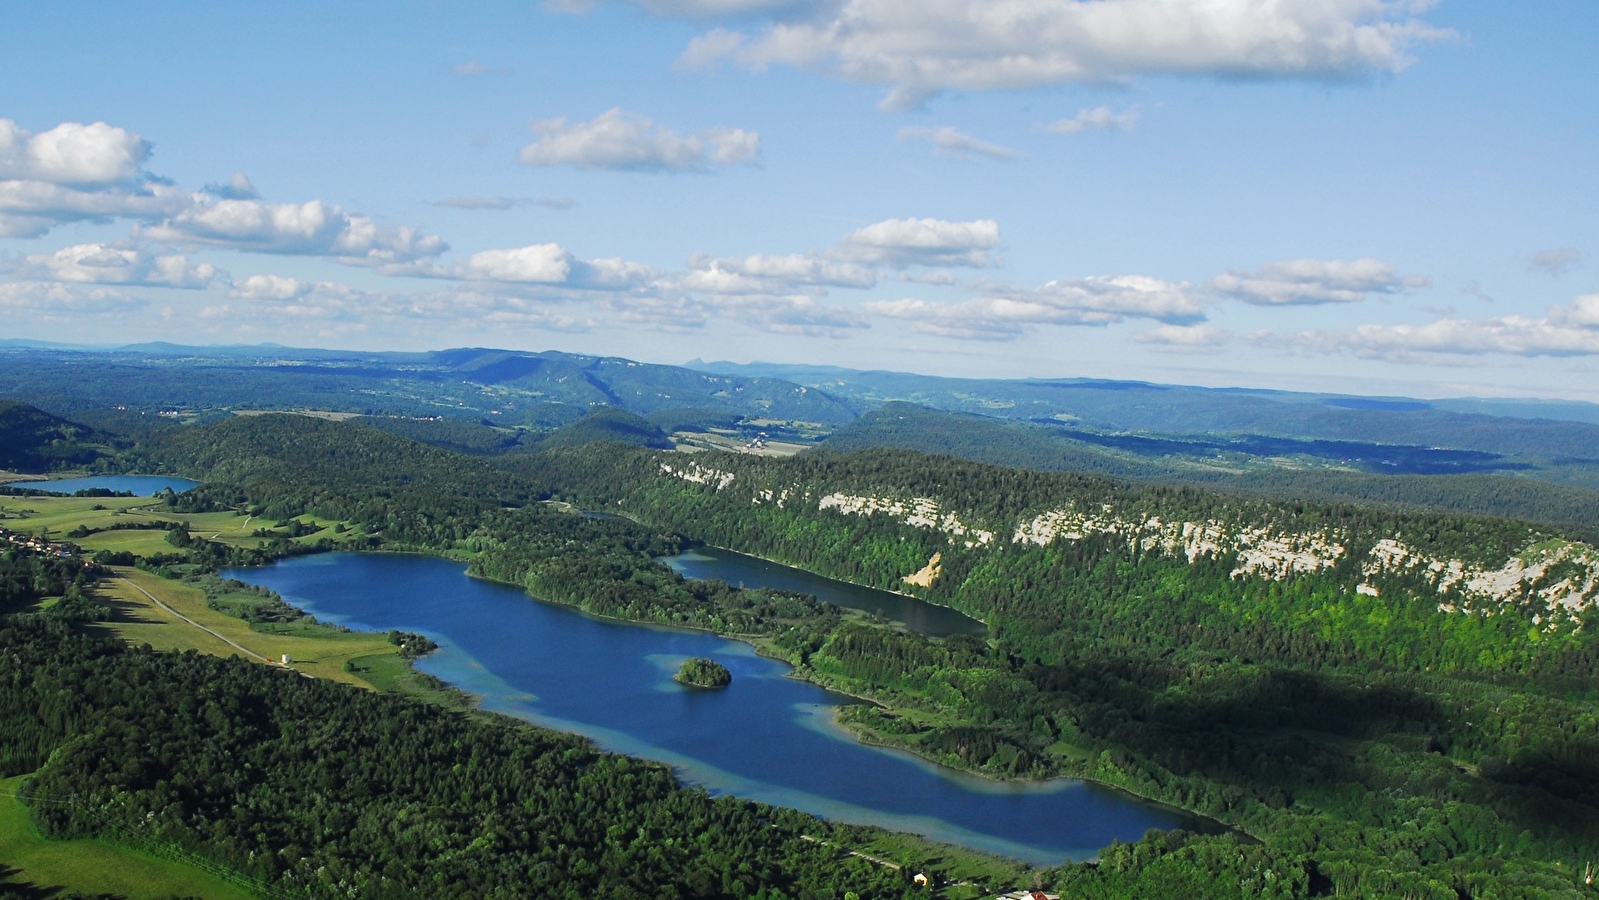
1145,407
466,382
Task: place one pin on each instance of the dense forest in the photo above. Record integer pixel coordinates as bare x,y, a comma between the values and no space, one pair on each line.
35,441
1462,482
329,791
1281,669
1285,701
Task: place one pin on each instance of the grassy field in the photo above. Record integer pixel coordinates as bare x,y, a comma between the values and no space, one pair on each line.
950,865
139,621
389,673
60,515
101,868
96,867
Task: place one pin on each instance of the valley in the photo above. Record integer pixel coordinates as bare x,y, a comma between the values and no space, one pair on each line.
992,638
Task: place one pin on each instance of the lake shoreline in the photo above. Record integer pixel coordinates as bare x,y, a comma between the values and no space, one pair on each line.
565,507
778,562
803,674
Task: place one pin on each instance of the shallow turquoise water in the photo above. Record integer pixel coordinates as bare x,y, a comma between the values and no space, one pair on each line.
766,737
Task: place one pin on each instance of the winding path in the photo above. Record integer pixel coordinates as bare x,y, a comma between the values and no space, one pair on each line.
157,601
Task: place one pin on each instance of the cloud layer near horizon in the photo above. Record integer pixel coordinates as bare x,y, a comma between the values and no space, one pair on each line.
75,172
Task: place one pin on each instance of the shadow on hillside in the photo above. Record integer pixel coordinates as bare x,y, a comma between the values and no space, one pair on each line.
25,890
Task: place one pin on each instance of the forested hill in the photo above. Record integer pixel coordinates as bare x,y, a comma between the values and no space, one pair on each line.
32,440
1029,548
1395,704
1454,481
303,451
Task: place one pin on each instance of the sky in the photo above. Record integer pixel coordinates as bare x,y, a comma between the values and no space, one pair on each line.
1394,197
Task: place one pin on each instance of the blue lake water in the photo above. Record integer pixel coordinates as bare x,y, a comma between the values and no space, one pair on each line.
139,485
750,571
766,737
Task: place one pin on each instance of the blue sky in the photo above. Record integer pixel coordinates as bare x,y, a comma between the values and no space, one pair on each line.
1354,195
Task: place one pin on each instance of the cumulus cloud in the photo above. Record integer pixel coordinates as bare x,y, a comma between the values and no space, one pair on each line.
72,153
1555,262
629,142
75,172
1005,313
1100,118
502,203
1569,330
313,228
124,264
951,141
921,47
270,287
540,265
1308,282
537,264
899,243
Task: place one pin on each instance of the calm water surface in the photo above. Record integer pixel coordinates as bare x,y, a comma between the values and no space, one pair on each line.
140,485
766,737
750,571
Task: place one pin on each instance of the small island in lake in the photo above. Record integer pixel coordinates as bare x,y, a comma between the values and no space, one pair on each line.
705,673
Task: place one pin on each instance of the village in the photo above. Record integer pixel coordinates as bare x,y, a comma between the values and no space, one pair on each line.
40,543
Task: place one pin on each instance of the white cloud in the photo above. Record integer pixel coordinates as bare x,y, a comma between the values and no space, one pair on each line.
1308,282
1005,312
768,273
1571,330
75,172
610,274
1199,338
921,47
537,263
951,141
125,264
72,153
1100,118
270,287
32,208
898,243
626,141
313,228
325,304
1555,262
502,203
52,300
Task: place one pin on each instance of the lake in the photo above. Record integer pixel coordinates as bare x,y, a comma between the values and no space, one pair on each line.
139,485
751,571
766,737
